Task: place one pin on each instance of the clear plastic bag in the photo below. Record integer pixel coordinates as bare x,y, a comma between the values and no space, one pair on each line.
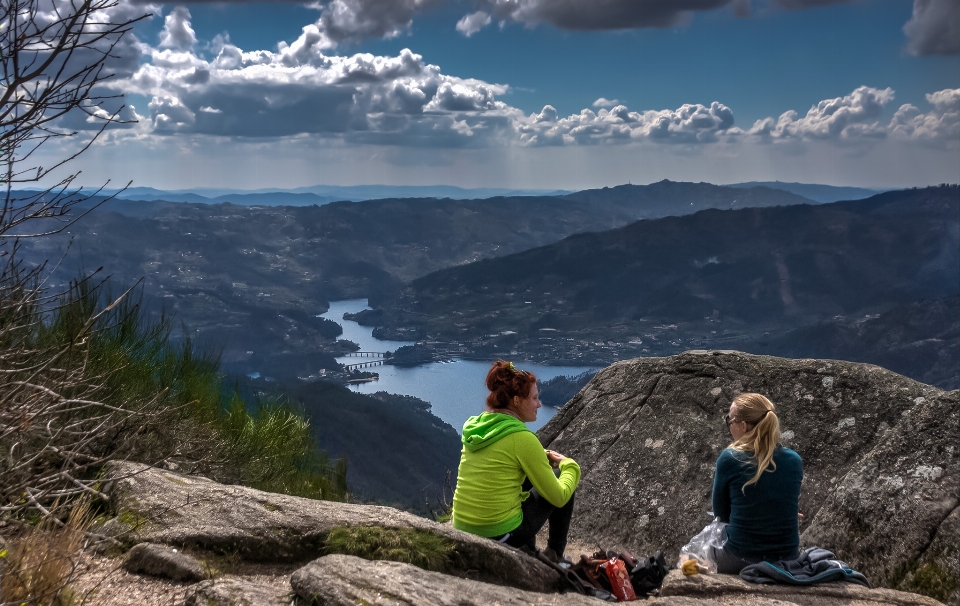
713,534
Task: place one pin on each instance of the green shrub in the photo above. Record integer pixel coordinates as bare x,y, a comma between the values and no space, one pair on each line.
170,397
277,451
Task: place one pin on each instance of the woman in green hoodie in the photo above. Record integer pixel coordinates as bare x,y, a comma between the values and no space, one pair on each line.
507,488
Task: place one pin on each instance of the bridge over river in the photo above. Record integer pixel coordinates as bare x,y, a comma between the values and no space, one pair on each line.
379,355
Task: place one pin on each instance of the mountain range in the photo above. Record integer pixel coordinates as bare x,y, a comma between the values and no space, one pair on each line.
686,282
725,265
324,194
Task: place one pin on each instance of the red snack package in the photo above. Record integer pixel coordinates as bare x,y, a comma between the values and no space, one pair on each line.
620,585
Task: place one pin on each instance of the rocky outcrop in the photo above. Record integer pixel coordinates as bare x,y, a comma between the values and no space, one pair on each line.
886,511
730,589
338,580
162,561
881,455
160,506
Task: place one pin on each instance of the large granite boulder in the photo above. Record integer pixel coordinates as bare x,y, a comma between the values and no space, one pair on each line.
881,456
162,561
159,506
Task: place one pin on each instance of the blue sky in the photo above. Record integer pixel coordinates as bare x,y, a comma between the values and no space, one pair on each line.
345,92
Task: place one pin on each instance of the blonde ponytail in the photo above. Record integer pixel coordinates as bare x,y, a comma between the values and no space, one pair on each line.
764,435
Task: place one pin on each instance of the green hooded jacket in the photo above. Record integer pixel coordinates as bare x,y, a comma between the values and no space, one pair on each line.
499,453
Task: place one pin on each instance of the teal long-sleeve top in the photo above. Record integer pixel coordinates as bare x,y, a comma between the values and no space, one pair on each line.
762,517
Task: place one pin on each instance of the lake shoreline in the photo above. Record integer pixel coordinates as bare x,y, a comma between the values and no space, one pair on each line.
452,381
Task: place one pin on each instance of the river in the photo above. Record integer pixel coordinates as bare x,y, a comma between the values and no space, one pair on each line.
454,389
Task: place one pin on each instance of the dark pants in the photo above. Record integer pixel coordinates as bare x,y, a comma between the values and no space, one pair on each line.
730,563
538,511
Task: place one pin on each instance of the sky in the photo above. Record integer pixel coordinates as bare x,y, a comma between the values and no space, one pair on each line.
543,94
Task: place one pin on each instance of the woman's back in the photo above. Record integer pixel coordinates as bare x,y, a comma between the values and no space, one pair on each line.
762,516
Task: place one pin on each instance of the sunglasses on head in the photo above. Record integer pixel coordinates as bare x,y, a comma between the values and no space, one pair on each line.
513,368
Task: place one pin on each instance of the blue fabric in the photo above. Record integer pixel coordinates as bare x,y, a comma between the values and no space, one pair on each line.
762,517
814,566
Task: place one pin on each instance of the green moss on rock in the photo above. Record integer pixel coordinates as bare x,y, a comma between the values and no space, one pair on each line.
409,545
930,578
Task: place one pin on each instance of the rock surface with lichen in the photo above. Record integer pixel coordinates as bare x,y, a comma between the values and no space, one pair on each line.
881,457
160,506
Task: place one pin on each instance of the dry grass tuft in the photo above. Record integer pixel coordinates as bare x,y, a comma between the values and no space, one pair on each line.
36,568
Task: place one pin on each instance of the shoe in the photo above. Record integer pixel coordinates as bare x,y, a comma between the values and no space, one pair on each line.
559,559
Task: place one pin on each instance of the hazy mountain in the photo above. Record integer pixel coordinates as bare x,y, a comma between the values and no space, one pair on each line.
814,191
253,278
672,198
717,271
323,194
280,198
920,340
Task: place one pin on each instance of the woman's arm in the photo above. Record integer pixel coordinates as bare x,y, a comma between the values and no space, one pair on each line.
721,490
533,460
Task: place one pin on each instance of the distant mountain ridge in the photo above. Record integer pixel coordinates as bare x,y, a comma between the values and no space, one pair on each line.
713,279
676,198
754,265
324,194
814,191
252,278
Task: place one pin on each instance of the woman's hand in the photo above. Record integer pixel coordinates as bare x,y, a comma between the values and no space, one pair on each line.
554,457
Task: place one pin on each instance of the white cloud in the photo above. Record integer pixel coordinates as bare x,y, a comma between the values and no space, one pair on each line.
690,123
934,28
853,116
804,4
176,32
473,23
356,20
604,102
299,90
600,14
940,125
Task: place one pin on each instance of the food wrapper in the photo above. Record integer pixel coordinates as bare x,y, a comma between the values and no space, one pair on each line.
619,578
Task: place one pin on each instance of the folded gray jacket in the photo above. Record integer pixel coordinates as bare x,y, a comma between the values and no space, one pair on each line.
814,565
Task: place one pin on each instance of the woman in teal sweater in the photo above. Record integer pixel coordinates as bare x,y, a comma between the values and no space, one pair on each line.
507,488
756,488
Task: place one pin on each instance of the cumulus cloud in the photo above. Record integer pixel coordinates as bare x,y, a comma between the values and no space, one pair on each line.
473,23
690,123
298,90
604,102
853,116
601,14
804,4
934,28
176,32
355,20
940,125
341,21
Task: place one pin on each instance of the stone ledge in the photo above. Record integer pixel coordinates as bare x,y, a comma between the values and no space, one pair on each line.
732,589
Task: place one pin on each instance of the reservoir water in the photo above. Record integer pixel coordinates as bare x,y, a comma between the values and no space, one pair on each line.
454,389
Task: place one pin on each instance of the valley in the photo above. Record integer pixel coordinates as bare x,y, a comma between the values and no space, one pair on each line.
562,280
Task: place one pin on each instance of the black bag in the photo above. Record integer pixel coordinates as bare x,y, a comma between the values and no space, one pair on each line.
647,576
